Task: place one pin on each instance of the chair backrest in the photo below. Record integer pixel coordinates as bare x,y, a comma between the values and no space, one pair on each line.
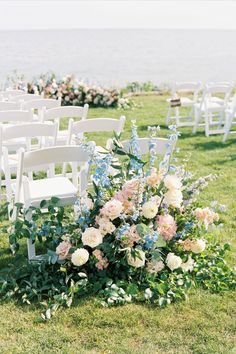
95,125
216,89
161,145
16,116
41,103
46,134
66,112
57,154
11,93
7,106
26,97
29,130
187,86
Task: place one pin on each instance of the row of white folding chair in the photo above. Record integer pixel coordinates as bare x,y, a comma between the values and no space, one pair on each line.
210,106
52,114
211,109
13,134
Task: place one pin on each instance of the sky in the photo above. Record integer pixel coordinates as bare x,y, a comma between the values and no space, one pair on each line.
49,14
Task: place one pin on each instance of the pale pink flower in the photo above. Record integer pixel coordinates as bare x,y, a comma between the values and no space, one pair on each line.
63,249
112,209
131,187
166,226
130,237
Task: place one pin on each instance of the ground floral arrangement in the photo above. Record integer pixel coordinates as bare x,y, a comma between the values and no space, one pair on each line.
72,91
138,236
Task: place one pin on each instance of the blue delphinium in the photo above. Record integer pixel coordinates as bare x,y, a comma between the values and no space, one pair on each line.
100,176
152,144
135,149
150,240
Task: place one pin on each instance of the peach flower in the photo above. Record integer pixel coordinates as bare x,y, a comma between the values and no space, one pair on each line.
166,226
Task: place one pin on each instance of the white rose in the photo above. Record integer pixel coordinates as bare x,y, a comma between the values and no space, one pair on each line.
137,261
198,246
173,261
106,226
173,198
80,257
188,266
155,266
92,237
149,210
172,182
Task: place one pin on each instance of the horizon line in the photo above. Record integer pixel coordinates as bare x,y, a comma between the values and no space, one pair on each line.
115,28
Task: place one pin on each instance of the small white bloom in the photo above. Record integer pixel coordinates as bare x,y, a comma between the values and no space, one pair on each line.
155,266
172,182
188,266
80,257
173,261
198,246
106,226
173,198
92,237
137,261
149,210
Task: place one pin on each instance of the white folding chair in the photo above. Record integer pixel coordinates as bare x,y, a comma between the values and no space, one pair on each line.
39,105
58,113
31,193
179,100
45,133
9,106
94,125
230,119
212,109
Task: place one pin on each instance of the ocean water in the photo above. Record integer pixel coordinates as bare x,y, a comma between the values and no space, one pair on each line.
115,57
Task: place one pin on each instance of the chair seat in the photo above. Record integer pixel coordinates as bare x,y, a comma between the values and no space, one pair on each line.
211,106
60,187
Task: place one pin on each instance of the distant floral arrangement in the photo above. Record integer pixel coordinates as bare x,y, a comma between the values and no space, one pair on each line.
72,91
138,235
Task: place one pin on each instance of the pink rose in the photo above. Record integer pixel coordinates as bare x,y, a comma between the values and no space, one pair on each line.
166,226
63,249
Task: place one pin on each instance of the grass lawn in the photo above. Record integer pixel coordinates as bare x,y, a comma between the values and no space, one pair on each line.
204,324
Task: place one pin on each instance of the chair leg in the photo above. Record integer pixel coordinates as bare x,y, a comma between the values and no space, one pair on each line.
30,244
168,115
197,116
207,117
228,124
